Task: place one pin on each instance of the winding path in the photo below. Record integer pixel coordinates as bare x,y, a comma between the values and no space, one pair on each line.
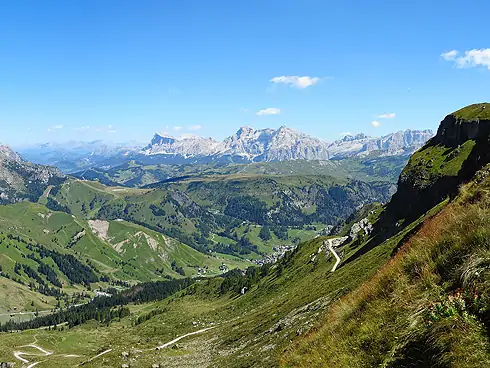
330,248
18,354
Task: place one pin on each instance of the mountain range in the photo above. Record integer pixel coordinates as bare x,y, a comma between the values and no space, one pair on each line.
246,145
287,144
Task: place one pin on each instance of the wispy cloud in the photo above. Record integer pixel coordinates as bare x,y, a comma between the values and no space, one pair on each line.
375,123
243,109
54,128
269,111
296,81
387,116
194,128
177,128
97,129
450,55
470,58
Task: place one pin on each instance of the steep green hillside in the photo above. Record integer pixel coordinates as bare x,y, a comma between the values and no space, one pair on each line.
56,253
432,300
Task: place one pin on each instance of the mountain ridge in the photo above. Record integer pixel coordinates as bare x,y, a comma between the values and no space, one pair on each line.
285,143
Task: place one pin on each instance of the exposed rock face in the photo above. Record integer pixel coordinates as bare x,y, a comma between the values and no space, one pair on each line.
421,186
454,131
363,225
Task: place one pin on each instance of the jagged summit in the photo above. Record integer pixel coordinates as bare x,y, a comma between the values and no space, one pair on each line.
7,154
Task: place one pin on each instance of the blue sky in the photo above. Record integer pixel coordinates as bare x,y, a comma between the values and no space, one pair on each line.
121,70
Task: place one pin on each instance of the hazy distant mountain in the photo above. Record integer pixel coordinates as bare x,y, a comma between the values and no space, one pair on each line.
246,145
75,155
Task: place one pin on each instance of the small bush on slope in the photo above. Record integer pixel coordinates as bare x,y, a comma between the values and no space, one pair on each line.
410,313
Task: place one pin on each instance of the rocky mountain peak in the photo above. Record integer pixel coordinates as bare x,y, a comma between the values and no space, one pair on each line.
244,131
7,154
160,139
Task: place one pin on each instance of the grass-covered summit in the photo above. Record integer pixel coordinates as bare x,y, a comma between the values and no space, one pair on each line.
479,111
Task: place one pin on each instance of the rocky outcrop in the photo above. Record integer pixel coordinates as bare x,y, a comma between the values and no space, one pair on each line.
462,142
362,226
471,122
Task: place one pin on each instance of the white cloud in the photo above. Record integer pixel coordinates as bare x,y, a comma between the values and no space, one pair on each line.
387,116
82,128
55,128
269,111
470,58
450,55
177,128
296,81
105,129
375,123
194,128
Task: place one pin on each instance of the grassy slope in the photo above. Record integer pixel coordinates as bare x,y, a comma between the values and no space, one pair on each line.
479,111
136,261
432,162
431,299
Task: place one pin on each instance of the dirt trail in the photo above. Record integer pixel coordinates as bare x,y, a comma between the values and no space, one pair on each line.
183,337
330,248
43,353
97,356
